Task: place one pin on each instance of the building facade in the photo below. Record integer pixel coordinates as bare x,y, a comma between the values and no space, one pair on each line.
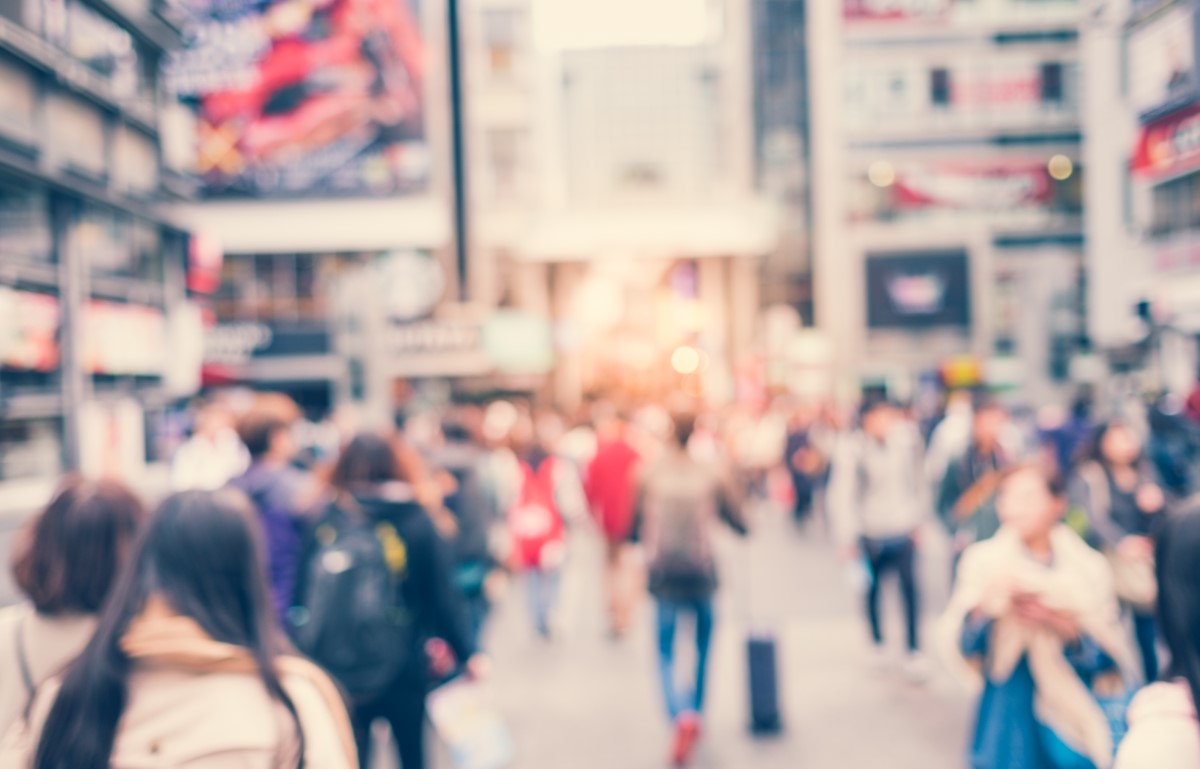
947,183
93,279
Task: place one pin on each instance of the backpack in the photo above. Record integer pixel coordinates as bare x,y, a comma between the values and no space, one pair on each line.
351,616
534,522
681,507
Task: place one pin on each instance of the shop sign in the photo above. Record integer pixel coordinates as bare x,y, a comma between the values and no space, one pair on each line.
205,259
974,188
124,339
1169,146
1162,61
435,337
295,100
918,290
238,343
895,10
28,330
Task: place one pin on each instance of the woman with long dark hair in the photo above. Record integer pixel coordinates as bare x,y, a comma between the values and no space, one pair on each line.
1120,492
187,666
378,483
64,563
1164,732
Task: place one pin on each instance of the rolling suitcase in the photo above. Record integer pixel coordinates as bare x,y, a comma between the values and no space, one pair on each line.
763,683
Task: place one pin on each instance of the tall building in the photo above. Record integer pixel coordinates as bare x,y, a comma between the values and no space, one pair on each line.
92,277
613,168
947,190
1144,241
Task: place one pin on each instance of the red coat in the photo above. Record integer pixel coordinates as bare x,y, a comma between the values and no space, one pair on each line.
610,487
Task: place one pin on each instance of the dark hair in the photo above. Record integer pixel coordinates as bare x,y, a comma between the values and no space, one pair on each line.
983,401
1178,572
201,553
71,553
256,430
1056,484
684,424
368,460
1093,449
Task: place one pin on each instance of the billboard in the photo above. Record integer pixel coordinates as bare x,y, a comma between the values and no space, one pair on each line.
1162,62
924,290
29,325
298,99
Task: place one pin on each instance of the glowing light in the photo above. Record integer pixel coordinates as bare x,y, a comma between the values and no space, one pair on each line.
1060,167
686,360
882,173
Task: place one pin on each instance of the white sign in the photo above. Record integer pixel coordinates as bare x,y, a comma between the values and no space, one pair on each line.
1162,58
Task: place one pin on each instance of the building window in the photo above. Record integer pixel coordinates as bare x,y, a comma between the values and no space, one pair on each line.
1052,83
1176,206
24,225
501,33
939,87
281,287
505,151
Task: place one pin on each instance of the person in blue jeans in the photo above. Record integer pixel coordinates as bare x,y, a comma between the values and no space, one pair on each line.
1035,622
679,503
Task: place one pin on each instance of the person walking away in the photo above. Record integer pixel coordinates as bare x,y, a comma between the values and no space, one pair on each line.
679,503
65,564
1034,621
966,501
804,462
188,666
281,494
475,512
878,503
377,584
1164,732
1118,490
609,485
212,456
548,491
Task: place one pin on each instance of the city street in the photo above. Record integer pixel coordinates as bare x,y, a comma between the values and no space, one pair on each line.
588,702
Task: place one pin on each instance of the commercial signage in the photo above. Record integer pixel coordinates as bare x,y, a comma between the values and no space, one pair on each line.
874,10
28,330
912,291
238,343
971,187
296,98
124,339
1162,61
1170,145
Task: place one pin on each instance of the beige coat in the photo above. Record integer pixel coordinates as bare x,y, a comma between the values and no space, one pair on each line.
49,645
196,703
1080,584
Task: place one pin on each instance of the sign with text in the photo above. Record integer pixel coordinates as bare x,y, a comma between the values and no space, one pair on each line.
912,291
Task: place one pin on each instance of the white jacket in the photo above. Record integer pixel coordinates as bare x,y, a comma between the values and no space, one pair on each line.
49,645
878,490
1164,732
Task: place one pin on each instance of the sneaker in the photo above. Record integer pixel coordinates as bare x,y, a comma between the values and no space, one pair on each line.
879,659
687,734
916,668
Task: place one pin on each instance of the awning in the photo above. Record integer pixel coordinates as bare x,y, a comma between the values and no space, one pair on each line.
747,228
316,226
1169,146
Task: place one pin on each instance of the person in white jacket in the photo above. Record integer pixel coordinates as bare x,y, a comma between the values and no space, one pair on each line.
878,503
1164,732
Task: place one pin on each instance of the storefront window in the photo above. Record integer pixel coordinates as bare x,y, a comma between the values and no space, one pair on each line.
1176,206
25,225
283,287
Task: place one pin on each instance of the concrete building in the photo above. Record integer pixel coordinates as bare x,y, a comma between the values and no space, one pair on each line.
947,189
1144,245
614,168
93,280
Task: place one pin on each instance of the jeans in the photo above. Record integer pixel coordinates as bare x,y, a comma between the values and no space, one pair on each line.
543,594
404,709
1145,629
668,618
897,554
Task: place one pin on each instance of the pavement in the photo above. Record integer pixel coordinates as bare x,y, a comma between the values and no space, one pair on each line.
585,701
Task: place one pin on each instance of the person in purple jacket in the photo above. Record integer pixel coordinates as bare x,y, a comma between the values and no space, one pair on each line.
281,493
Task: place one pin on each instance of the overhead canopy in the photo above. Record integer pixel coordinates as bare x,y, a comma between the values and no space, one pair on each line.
747,228
313,226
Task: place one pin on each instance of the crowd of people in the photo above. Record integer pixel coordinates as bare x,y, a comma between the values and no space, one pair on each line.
292,592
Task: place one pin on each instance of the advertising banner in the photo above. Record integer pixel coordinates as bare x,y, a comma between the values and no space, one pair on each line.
299,98
28,330
895,10
1169,146
912,291
124,339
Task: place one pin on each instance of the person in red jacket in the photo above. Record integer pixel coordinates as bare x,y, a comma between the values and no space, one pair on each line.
611,488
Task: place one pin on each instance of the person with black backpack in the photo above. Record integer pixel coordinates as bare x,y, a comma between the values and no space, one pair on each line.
678,506
377,584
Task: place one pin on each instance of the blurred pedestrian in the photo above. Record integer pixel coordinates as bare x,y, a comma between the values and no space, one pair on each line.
282,494
475,512
878,503
188,666
1119,492
548,491
1034,621
679,504
1164,732
966,501
805,463
212,456
65,563
374,486
609,484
